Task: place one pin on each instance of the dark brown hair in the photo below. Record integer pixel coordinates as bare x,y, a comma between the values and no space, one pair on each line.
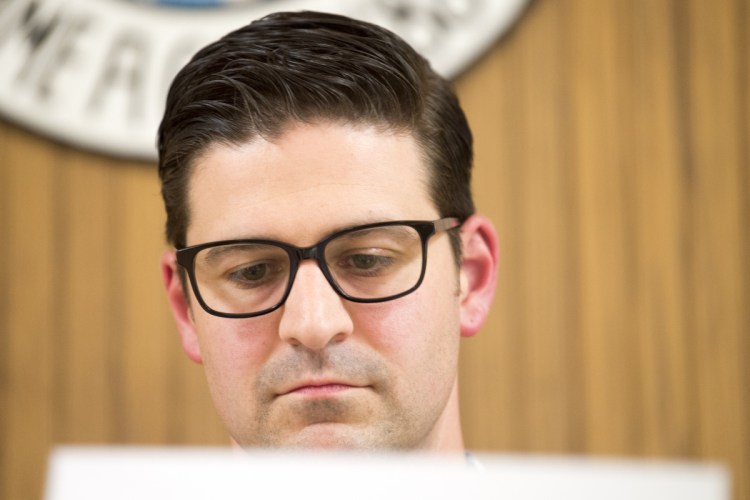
309,66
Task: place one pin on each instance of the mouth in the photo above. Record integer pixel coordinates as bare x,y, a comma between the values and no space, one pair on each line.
320,388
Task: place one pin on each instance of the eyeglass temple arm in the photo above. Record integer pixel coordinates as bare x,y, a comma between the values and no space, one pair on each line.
446,224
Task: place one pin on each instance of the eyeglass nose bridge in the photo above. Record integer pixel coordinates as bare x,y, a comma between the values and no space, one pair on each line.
316,253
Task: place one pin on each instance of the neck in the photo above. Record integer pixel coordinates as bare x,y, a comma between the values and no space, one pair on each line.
446,435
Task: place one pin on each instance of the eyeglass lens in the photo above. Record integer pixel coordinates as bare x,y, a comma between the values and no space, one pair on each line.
373,263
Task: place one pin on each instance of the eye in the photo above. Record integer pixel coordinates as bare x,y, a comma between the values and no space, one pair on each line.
255,275
365,264
252,273
363,261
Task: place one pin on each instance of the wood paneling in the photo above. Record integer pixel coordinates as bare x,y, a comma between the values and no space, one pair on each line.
613,153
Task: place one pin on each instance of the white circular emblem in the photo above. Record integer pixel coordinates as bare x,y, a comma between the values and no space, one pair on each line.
94,73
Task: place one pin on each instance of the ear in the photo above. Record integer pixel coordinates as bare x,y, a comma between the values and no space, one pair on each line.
180,306
478,273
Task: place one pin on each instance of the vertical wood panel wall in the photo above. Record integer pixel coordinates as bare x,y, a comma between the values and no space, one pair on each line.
613,152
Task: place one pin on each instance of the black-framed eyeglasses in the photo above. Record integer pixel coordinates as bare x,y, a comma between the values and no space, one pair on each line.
369,263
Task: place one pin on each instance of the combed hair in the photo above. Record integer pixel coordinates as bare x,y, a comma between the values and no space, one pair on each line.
307,67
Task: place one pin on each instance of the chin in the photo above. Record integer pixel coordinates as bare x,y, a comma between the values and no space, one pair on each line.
331,437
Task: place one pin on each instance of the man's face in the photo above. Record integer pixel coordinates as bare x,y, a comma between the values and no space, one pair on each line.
322,371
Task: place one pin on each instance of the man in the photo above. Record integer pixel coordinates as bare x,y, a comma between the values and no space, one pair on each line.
316,172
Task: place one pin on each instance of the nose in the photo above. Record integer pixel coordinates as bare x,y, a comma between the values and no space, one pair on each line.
313,314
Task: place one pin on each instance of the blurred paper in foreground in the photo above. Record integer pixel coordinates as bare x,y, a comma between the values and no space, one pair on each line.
89,473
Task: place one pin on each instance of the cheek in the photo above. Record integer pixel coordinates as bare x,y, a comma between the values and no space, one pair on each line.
234,348
416,332
417,337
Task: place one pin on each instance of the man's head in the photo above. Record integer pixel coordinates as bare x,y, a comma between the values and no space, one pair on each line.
277,141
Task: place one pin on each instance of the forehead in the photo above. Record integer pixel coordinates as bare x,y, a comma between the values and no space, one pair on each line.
310,180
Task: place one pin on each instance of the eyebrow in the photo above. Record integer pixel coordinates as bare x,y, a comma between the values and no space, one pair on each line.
397,231
337,229
214,253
